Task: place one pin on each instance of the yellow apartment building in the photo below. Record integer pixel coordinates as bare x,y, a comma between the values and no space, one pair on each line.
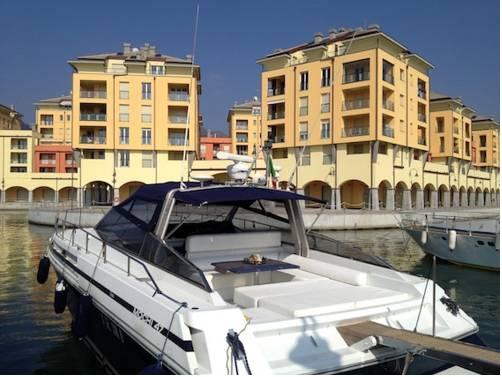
244,127
135,113
348,118
53,120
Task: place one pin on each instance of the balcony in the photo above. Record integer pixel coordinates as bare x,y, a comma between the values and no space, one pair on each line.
276,139
275,92
360,103
92,139
388,130
388,105
355,131
18,161
178,141
422,118
46,136
178,96
276,115
47,162
388,77
178,119
242,139
325,107
421,140
46,123
92,94
422,93
241,126
304,110
93,117
19,146
355,77
304,135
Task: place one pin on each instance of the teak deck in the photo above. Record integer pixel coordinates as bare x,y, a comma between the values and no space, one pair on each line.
466,355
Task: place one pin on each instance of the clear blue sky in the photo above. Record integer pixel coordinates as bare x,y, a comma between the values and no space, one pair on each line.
460,37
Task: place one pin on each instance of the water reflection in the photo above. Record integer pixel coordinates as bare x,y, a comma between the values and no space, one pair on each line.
34,339
476,291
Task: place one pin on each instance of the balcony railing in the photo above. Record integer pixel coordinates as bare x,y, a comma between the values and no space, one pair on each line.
118,70
92,94
47,136
178,119
276,139
388,105
242,127
304,110
355,131
48,162
304,135
178,96
275,92
388,77
47,123
354,77
422,117
242,139
19,161
93,117
178,141
388,131
361,103
276,115
422,93
325,107
327,159
421,140
19,146
93,140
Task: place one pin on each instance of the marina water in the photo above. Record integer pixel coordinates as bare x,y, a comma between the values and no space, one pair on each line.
37,341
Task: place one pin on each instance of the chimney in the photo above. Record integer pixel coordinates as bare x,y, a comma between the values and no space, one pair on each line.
318,37
126,47
332,33
189,57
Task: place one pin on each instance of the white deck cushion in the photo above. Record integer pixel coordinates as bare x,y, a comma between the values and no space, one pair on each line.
331,271
250,296
321,301
230,241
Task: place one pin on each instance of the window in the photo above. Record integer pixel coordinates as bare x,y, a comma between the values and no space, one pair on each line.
256,111
124,113
441,144
124,135
304,106
68,117
175,155
305,157
417,154
241,124
146,114
401,126
18,169
325,129
482,140
382,148
325,103
146,136
327,155
124,90
146,90
304,131
401,74
124,159
326,76
304,80
388,72
401,100
157,69
357,148
61,118
147,160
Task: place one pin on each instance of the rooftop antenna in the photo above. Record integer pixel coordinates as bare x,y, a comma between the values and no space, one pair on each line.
182,184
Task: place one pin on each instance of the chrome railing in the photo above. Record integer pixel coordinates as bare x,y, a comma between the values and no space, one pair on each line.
361,103
47,123
242,139
92,140
355,131
178,141
177,119
93,117
242,127
275,92
276,115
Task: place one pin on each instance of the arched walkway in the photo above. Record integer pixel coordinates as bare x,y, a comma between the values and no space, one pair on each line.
486,198
471,197
44,194
385,199
16,194
417,198
454,200
443,196
67,194
354,194
462,197
429,191
98,193
479,198
319,190
493,199
129,188
401,199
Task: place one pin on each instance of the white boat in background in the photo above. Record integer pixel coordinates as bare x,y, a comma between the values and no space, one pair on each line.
468,241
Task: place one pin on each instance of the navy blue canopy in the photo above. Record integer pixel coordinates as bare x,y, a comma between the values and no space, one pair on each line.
215,194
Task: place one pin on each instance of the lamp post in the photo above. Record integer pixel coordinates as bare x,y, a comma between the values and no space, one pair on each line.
267,148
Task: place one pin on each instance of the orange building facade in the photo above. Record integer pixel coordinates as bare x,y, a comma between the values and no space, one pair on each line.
53,159
209,146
